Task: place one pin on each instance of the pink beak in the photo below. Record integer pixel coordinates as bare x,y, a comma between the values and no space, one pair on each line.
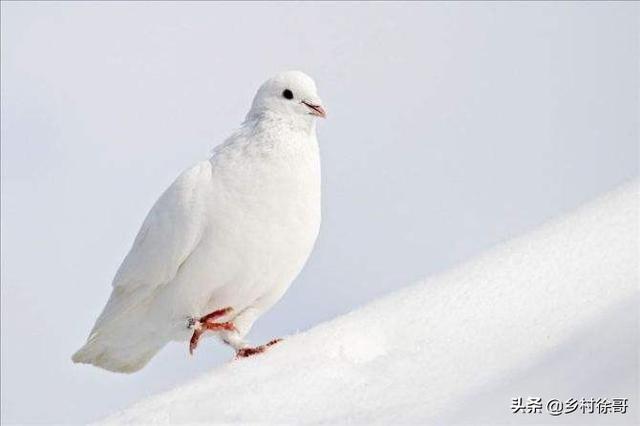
316,109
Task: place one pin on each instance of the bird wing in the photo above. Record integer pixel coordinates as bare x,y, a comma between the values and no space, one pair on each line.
169,234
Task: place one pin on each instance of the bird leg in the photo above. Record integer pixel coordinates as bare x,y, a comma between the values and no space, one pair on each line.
247,352
207,322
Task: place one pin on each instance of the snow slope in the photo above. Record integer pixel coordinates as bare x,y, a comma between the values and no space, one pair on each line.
553,312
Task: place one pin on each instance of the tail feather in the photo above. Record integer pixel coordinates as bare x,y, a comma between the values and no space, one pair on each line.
112,358
122,340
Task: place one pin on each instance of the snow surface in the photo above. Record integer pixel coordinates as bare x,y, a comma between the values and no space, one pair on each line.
552,314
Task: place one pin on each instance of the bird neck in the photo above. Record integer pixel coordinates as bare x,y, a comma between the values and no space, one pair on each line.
267,122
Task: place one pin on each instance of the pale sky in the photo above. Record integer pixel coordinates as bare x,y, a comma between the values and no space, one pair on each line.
450,127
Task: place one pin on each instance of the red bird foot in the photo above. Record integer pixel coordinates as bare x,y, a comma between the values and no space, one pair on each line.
247,352
207,322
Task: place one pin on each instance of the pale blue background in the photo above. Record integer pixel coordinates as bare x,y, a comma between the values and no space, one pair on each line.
451,127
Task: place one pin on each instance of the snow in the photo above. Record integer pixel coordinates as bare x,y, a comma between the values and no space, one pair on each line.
553,313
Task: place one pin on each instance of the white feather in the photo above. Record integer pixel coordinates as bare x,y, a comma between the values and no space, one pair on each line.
234,231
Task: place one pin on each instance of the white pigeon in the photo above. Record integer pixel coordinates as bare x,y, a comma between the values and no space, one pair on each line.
224,241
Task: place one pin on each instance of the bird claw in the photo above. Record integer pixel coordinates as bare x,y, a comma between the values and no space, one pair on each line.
216,314
207,322
247,352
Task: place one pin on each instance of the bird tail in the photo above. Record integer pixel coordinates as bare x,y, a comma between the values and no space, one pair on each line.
122,340
103,353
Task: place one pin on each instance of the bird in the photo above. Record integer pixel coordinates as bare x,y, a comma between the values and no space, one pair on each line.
225,241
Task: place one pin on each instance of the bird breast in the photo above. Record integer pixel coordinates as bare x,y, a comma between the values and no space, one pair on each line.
263,217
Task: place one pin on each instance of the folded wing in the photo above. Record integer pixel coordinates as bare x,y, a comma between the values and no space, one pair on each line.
166,239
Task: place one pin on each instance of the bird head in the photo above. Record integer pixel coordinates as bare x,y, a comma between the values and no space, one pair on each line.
290,95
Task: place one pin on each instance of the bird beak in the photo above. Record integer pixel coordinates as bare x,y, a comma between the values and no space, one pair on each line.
316,110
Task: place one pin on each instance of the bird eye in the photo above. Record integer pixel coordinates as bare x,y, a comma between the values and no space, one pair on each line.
288,94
